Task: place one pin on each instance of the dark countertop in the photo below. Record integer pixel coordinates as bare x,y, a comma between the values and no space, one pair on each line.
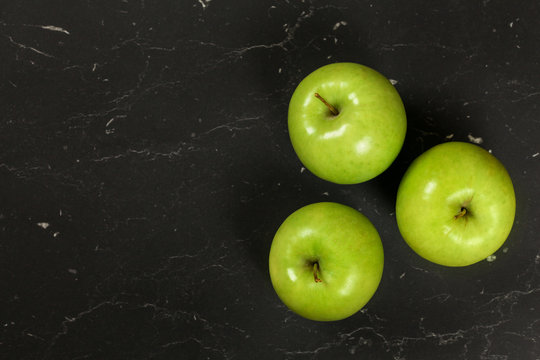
145,166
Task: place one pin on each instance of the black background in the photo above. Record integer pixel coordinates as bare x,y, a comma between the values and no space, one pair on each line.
145,166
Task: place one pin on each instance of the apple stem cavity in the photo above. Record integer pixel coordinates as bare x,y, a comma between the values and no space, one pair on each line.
316,272
332,109
462,213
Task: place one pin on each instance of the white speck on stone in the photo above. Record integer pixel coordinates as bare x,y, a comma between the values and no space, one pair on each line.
54,28
491,258
302,170
72,271
56,234
475,140
505,250
60,212
393,82
490,151
193,134
43,225
338,24
535,155
110,121
204,3
325,193
511,24
402,276
449,136
279,70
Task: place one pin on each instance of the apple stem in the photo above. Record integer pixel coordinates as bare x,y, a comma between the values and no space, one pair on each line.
333,110
316,272
462,213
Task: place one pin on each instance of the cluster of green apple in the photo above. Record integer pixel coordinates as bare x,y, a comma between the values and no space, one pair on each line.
455,204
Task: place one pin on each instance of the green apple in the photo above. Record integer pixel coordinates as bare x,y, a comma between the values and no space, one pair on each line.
326,261
455,204
346,122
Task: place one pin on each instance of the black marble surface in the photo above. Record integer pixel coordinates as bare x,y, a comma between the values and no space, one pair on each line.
145,166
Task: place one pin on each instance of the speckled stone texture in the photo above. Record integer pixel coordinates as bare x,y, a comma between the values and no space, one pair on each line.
145,166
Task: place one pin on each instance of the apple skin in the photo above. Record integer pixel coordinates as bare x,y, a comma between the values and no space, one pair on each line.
432,193
363,139
348,250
